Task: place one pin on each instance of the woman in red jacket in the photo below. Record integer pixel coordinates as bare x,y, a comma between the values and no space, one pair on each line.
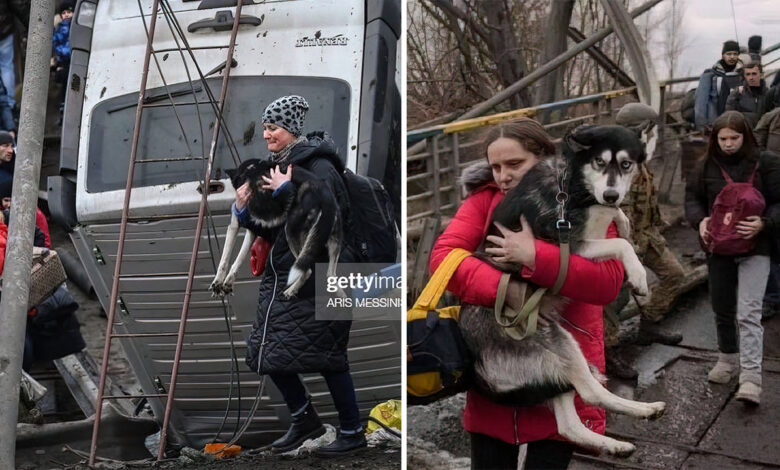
496,431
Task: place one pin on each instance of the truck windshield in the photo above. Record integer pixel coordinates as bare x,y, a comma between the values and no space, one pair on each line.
161,136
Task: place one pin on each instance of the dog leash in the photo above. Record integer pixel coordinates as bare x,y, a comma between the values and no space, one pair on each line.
520,325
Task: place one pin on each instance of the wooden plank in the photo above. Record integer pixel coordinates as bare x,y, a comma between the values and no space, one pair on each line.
671,161
436,176
419,274
456,168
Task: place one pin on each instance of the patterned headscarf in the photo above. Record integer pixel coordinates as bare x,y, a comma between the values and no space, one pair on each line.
287,112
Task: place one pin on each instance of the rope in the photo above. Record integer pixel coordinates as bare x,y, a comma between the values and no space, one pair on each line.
734,19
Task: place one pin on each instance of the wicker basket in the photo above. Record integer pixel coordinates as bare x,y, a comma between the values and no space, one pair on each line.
46,276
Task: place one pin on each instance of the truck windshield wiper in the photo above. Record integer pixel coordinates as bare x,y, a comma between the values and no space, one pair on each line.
155,98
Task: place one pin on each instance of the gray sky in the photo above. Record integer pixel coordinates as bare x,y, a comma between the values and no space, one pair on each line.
709,23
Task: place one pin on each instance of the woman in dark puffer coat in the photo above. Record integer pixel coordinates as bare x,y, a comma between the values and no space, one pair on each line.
286,333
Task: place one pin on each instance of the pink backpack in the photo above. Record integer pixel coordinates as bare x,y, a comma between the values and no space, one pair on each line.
734,203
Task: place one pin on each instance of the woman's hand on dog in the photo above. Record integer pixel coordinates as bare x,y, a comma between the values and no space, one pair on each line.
242,196
514,247
704,231
750,227
277,178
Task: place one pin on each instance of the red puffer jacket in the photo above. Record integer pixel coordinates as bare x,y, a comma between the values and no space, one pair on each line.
589,285
3,242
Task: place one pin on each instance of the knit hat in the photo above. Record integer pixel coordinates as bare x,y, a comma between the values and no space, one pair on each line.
730,46
6,138
754,44
66,5
287,112
634,114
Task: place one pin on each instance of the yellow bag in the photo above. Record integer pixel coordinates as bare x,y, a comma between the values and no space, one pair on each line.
389,413
438,362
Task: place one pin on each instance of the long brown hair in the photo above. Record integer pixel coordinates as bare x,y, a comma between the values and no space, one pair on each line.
528,132
735,121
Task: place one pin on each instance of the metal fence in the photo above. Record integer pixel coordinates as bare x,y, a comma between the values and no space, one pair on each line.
432,184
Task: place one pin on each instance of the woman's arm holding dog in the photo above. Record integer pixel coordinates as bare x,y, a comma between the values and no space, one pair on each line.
593,282
475,281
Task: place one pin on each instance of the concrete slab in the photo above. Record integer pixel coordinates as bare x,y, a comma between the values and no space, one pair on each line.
692,404
712,462
693,317
749,432
649,456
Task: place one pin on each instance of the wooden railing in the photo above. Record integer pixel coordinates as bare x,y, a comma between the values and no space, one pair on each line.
432,184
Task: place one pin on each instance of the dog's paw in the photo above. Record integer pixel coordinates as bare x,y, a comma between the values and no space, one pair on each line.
290,292
656,410
227,284
216,288
637,279
620,448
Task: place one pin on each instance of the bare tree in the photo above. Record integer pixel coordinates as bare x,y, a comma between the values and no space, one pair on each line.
551,87
675,40
462,52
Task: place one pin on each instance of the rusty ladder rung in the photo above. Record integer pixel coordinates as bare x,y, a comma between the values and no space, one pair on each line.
173,159
123,397
194,48
142,335
182,103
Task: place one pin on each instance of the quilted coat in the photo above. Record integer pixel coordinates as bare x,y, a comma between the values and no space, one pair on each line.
296,341
589,285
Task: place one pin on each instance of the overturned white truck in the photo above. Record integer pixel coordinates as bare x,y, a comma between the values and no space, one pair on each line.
341,55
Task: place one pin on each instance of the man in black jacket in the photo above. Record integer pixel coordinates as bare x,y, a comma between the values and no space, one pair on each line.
750,97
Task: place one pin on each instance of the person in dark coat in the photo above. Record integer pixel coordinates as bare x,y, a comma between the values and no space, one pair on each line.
737,283
287,338
61,47
11,11
715,84
750,98
7,156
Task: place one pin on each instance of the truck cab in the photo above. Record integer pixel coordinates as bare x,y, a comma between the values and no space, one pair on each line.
342,56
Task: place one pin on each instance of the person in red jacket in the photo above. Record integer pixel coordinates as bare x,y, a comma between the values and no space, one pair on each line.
3,241
497,431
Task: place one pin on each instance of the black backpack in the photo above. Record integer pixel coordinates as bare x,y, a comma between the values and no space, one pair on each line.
688,106
371,230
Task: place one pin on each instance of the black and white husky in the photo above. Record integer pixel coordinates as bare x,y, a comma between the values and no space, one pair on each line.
309,213
600,164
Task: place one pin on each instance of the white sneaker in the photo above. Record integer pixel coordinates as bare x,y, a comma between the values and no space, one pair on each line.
749,393
725,370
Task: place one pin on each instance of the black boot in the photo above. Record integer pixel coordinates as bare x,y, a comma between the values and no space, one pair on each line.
617,367
343,444
650,332
305,425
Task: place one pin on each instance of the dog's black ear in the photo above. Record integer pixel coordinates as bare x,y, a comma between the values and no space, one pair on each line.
579,139
231,172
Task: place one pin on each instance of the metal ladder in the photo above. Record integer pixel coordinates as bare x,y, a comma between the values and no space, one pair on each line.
142,104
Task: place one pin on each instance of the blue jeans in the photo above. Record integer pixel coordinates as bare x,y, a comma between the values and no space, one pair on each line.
342,390
7,70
